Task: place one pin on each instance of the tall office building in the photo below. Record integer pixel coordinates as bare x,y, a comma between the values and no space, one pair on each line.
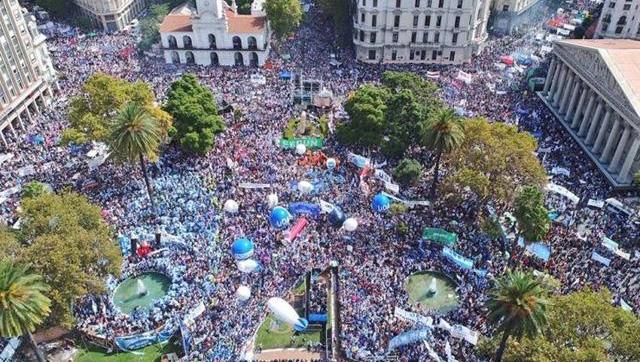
419,31
27,73
619,19
112,15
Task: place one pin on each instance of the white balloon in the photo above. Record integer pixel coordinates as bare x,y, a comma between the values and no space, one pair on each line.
247,265
231,206
350,224
283,311
243,293
305,187
301,149
272,200
331,163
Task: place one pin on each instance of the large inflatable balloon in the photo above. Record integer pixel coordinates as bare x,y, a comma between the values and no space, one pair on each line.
336,217
380,203
305,187
351,224
284,312
243,293
231,206
272,200
301,149
279,217
247,265
331,163
242,248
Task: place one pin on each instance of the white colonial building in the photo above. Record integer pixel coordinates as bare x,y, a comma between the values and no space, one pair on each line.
419,31
593,88
213,33
619,19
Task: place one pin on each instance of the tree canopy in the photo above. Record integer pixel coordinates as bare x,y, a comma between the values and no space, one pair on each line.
284,16
367,110
531,214
583,326
195,114
66,241
57,8
150,26
91,113
408,171
493,161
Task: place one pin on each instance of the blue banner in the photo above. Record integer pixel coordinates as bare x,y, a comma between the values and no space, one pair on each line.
137,341
187,338
409,337
305,208
458,259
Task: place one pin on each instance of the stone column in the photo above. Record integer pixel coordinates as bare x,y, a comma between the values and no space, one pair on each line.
595,121
624,176
574,98
552,68
13,131
587,115
614,166
31,119
564,99
561,86
604,127
578,112
20,121
611,141
4,140
554,82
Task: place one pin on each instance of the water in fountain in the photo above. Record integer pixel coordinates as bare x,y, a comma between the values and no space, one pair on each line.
432,287
141,289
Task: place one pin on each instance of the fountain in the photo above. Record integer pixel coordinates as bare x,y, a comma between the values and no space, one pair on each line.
141,290
432,288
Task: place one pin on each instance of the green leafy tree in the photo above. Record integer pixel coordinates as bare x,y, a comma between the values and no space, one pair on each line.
493,161
64,239
195,114
284,16
442,134
517,307
136,136
244,6
57,8
150,26
23,304
35,188
367,110
583,326
338,11
423,89
404,112
101,98
531,214
408,171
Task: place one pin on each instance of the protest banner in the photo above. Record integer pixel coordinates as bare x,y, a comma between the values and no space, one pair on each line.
462,332
439,235
359,161
458,259
409,337
309,142
597,257
412,317
251,185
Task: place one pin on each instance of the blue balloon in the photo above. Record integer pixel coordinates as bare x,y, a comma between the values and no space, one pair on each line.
279,217
380,203
301,325
337,217
242,248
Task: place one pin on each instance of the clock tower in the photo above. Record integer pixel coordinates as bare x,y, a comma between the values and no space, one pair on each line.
209,8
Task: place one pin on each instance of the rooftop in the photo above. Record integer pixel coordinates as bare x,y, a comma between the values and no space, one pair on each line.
179,19
245,23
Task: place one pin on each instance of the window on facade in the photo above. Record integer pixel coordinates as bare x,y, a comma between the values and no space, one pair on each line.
439,21
436,37
362,17
440,3
423,55
452,56
607,18
372,37
361,35
429,3
394,55
374,20
417,3
427,20
612,5
454,38
505,8
394,37
414,35
456,24
619,29
396,21
364,3
626,7
434,55
605,26
412,54
425,37
459,6
375,3
622,20
372,54
415,21
398,3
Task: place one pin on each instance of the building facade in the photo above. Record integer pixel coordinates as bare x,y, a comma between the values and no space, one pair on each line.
419,31
511,15
112,15
213,33
619,19
593,88
27,73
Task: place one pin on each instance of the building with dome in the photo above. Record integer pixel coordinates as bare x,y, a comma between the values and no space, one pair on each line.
213,33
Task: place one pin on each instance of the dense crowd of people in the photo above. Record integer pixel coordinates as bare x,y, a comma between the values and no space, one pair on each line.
374,261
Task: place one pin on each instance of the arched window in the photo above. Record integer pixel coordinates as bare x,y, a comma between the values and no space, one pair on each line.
212,42
214,59
189,58
237,42
253,59
175,57
173,43
252,43
239,61
622,20
186,41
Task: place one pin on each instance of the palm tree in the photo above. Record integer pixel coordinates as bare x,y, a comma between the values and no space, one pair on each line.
442,134
23,306
517,306
136,135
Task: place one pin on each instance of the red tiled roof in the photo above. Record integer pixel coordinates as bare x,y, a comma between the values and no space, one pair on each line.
245,23
176,23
